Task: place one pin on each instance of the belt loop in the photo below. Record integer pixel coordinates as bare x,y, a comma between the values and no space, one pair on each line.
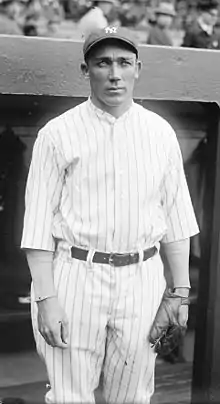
90,256
157,245
141,256
70,251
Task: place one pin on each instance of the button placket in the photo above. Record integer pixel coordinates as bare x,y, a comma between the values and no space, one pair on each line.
110,185
117,184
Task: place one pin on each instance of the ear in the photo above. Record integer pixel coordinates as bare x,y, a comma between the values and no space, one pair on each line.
138,68
85,70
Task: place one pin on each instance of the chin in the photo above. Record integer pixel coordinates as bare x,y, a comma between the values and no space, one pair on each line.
115,101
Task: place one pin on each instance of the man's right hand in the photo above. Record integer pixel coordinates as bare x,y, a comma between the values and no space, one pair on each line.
53,323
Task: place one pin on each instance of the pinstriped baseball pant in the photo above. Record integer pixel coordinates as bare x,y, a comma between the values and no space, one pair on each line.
110,311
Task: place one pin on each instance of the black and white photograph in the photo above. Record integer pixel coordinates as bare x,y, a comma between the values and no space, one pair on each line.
109,201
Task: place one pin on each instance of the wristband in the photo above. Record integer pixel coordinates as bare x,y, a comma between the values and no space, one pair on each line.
41,298
180,287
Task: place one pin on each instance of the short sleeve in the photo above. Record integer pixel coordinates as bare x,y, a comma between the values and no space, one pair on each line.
43,193
176,201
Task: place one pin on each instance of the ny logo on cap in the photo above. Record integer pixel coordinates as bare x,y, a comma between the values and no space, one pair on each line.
111,30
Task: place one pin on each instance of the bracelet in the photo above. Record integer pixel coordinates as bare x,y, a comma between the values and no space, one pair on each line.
41,298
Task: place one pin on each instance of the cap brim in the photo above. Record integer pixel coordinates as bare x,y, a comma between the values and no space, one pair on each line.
165,13
105,39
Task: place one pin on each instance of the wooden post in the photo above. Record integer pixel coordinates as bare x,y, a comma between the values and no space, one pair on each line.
206,370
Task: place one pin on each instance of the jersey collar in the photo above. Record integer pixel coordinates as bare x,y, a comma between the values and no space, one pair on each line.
103,115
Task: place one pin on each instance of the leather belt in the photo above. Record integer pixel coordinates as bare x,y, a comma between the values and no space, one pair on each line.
113,259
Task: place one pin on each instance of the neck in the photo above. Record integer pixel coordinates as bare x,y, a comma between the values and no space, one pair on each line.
115,111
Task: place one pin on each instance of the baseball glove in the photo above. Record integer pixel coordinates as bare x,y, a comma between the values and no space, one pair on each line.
166,333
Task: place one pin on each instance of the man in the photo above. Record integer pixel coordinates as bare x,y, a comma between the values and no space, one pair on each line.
202,33
9,21
159,32
96,17
106,187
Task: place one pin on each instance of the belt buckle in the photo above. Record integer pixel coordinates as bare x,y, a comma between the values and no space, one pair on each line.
111,259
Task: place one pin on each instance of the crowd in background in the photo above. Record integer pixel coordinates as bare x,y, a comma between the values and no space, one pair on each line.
192,23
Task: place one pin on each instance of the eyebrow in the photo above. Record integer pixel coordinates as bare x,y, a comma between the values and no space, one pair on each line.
109,59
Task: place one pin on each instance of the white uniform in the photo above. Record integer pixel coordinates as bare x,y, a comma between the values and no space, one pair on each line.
113,185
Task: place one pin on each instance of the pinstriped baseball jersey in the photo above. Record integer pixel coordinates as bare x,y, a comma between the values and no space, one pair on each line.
114,185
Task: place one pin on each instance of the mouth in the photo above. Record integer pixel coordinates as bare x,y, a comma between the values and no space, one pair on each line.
115,89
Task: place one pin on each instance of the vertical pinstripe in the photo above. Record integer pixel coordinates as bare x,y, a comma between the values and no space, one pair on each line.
128,167
114,185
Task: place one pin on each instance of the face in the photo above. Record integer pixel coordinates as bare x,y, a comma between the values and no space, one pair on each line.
112,71
210,17
164,20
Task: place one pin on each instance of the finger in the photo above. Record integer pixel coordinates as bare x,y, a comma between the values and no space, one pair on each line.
64,331
55,340
44,335
48,336
53,337
183,315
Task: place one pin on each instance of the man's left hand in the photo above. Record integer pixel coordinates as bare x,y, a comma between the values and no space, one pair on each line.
170,323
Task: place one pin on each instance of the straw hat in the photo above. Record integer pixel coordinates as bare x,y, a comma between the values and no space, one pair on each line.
166,9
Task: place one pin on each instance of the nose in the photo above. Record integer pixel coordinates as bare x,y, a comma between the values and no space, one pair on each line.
114,72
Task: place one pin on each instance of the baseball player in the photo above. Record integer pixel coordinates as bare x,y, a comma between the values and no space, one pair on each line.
106,189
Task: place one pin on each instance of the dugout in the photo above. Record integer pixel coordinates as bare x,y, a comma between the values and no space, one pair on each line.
41,78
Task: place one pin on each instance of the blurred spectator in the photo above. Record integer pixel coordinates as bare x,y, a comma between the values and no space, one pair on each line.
202,33
9,11
187,12
75,9
132,12
53,11
160,31
36,23
96,17
42,17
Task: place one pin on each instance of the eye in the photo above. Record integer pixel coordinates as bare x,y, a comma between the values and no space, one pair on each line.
125,63
102,63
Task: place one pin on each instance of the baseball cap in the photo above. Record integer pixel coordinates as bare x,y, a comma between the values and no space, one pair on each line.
100,35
